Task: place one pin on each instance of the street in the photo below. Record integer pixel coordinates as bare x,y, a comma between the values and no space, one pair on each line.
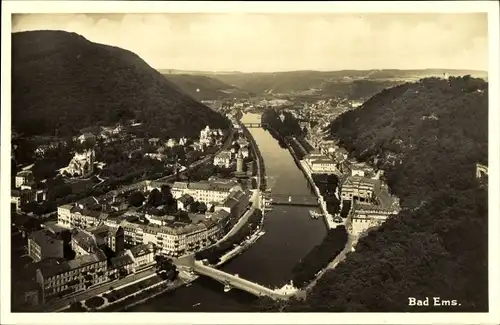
56,305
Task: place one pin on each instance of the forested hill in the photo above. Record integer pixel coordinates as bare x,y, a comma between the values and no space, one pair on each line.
425,134
428,136
61,81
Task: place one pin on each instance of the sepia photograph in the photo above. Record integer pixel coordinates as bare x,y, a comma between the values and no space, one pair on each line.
245,159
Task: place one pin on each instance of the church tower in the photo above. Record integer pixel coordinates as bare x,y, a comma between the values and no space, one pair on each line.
239,162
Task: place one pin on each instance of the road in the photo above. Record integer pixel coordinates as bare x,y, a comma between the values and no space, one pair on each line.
58,304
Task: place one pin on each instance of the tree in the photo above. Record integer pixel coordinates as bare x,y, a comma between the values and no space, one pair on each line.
194,207
202,208
136,199
155,198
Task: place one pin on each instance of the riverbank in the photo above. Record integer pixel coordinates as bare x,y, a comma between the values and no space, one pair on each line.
242,247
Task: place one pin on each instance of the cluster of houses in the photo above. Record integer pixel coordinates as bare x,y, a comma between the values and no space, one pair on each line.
25,190
99,256
238,152
368,198
99,229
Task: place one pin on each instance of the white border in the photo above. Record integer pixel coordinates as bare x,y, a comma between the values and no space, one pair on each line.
491,7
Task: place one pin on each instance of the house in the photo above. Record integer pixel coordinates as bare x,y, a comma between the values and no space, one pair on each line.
183,141
81,165
112,237
58,278
142,255
359,188
153,141
244,152
121,265
45,244
21,197
206,136
171,143
223,159
86,137
24,177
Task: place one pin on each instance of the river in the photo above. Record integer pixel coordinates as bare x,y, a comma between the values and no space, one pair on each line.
290,235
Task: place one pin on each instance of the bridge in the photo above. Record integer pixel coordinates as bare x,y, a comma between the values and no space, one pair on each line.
236,282
254,125
298,200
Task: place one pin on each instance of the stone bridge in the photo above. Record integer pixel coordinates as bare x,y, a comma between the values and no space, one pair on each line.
242,284
299,200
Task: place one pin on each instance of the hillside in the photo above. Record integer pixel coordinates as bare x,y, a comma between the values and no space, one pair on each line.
204,87
63,82
351,83
428,137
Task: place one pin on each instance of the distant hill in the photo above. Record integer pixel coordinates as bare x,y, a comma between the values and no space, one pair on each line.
203,87
428,137
332,83
61,81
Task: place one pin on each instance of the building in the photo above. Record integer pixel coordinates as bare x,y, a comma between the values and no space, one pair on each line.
112,237
154,141
21,197
359,188
206,136
61,278
367,216
142,255
205,191
244,152
25,178
171,143
236,203
82,164
239,162
316,163
45,244
86,137
77,216
223,159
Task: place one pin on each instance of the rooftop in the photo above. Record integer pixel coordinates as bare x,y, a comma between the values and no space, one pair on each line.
49,243
205,185
87,259
119,261
140,250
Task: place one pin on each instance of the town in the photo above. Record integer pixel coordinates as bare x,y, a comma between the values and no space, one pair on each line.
207,186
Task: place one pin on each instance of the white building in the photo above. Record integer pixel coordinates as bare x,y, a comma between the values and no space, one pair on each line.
205,191
82,164
206,136
171,143
223,159
24,178
320,164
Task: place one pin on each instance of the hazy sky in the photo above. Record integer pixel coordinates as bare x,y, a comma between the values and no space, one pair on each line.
278,42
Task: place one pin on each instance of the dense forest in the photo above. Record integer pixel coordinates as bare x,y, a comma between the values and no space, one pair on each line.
428,137
62,82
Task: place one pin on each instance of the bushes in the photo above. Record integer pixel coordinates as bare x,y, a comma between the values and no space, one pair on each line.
94,302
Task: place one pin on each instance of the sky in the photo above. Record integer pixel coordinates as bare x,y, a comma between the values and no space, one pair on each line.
283,42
